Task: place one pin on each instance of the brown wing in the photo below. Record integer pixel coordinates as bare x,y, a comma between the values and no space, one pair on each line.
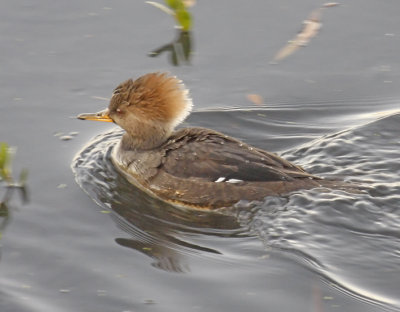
208,155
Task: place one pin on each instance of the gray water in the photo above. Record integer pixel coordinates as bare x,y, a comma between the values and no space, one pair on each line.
88,241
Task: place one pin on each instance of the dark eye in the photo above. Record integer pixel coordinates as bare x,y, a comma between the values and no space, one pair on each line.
119,111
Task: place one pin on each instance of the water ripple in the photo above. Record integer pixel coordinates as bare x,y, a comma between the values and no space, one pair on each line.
352,241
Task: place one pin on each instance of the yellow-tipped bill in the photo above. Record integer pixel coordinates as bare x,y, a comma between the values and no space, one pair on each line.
99,116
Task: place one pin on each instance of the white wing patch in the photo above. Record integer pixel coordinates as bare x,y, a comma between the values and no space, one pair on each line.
222,179
234,181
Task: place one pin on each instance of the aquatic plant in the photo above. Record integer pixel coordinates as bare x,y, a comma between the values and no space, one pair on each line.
177,9
180,49
6,180
6,177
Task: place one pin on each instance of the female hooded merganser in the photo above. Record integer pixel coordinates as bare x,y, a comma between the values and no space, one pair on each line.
191,167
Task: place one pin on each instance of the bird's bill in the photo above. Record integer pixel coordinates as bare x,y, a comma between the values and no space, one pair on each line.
99,116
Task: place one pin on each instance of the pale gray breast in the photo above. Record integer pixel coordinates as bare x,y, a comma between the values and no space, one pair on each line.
143,164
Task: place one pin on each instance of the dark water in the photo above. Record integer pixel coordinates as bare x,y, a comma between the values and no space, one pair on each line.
333,107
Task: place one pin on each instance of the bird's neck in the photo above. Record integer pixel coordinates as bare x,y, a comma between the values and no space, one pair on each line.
145,137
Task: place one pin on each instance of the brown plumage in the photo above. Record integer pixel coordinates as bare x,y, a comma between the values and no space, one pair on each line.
191,167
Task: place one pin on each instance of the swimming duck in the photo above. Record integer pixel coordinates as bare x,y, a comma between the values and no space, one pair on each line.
190,167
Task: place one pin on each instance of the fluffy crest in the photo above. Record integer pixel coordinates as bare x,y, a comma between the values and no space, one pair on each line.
155,97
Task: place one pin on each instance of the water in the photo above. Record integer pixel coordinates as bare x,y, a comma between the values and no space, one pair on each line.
350,241
98,245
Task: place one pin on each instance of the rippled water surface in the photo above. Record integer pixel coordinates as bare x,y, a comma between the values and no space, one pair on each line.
88,241
350,241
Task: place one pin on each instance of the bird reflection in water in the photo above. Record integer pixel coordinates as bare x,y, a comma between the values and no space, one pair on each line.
155,228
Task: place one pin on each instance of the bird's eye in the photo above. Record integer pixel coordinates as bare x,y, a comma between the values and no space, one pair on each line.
119,111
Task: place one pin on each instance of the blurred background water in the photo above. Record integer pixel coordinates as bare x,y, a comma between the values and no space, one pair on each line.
332,107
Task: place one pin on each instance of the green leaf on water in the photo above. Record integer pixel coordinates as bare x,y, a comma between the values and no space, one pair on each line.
175,4
3,154
4,161
184,19
6,154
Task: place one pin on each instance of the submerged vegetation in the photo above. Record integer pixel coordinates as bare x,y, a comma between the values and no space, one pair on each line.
7,182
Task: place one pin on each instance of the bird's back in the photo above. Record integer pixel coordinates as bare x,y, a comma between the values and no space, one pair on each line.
203,168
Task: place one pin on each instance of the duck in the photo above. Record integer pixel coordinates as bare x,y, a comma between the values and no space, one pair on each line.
191,167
